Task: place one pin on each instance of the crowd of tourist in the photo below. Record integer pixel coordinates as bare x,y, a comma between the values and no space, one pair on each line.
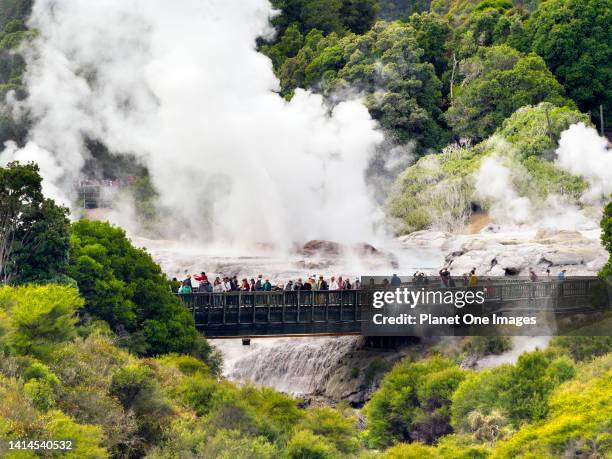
201,283
220,284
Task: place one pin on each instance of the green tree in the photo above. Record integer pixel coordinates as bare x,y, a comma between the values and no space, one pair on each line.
40,316
34,231
575,40
606,240
432,33
413,402
124,286
496,82
359,15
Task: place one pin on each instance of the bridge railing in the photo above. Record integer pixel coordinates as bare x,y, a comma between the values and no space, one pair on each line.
299,307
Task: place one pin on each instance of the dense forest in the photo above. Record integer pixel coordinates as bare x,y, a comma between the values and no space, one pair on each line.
94,347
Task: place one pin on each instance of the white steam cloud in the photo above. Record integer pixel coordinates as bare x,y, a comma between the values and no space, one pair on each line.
583,152
494,184
183,88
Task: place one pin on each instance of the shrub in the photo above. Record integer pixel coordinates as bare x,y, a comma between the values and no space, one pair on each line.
412,402
306,445
341,431
41,316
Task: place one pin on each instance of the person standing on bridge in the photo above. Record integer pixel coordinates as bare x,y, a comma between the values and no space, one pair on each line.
533,277
472,279
252,285
444,277
259,283
185,289
187,281
245,287
333,285
395,281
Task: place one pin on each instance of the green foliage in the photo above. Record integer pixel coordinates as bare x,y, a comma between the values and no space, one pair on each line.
575,40
519,392
391,10
582,348
325,15
136,388
535,130
341,431
480,346
14,10
402,91
578,423
306,445
411,451
412,402
606,239
40,316
124,286
20,419
496,82
432,33
230,444
34,236
440,189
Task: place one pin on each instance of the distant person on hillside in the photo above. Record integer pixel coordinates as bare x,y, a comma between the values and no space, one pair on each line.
395,281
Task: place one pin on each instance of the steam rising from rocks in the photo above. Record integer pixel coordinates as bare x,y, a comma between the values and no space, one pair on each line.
184,90
581,152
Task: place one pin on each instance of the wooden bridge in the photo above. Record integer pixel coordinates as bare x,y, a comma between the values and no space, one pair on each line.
306,313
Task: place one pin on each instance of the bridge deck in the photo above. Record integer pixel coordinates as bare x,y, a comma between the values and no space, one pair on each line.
235,314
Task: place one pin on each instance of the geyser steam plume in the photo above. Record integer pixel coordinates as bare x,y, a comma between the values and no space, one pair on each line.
182,87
